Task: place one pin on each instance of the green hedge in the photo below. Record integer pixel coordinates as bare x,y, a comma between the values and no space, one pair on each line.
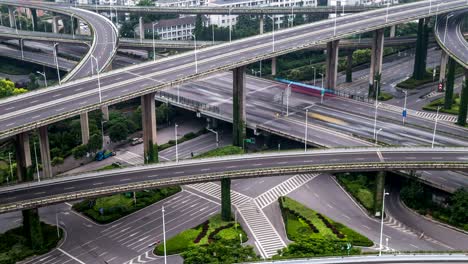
186,239
297,216
361,186
14,248
432,106
119,205
222,151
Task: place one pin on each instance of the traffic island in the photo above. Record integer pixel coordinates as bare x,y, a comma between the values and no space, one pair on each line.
107,209
454,109
315,234
14,244
214,241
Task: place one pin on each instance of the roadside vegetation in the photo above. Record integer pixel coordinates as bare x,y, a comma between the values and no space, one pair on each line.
14,245
432,106
361,186
214,241
452,211
110,208
222,151
315,234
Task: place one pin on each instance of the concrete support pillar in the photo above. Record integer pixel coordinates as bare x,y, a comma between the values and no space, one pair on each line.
148,114
32,228
77,27
45,152
261,18
422,42
273,66
349,67
376,61
393,31
450,84
443,66
55,27
226,199
141,29
34,17
238,114
332,64
23,157
105,113
11,16
84,122
379,189
462,112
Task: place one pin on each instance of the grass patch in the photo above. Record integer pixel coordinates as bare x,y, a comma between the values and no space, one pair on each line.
191,237
411,83
14,248
303,223
361,186
222,151
108,209
109,167
432,106
385,96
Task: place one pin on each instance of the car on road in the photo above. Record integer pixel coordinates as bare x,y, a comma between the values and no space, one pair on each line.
136,141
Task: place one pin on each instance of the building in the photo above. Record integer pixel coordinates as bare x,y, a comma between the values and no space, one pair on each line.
172,29
226,20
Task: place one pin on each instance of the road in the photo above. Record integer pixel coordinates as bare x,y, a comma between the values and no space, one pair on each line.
27,195
142,79
450,37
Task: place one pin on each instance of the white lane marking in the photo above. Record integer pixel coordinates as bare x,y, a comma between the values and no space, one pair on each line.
40,193
72,257
152,176
205,169
127,179
98,183
349,218
9,108
413,246
366,227
69,188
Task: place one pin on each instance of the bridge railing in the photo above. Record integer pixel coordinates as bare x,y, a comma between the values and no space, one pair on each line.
174,98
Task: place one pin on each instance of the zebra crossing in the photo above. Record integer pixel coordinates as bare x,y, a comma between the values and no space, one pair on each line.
130,158
214,190
282,189
267,239
422,114
143,258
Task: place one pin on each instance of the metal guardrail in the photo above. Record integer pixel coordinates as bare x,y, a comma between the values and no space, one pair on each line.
196,105
442,44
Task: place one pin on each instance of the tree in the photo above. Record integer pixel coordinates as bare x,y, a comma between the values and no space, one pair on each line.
118,132
462,114
95,143
7,88
221,251
459,207
198,31
32,82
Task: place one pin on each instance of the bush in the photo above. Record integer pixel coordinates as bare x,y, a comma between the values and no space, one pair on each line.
79,151
57,161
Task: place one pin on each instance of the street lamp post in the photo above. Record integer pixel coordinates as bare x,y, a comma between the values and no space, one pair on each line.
288,93
381,222
315,70
404,106
216,133
196,61
98,78
306,126
164,235
22,50
11,168
14,20
43,75
376,136
176,147
72,26
336,15
273,31
154,45
435,127
230,24
375,118
56,63
386,17
446,25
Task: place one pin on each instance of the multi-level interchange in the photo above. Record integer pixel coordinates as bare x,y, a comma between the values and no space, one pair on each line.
214,74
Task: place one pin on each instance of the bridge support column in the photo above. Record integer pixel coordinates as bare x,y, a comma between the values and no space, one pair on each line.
379,189
33,12
45,152
141,29
148,114
238,113
349,67
332,64
273,66
462,114
393,31
55,28
450,83
84,122
32,228
105,113
443,66
226,199
261,19
420,58
376,62
11,16
23,157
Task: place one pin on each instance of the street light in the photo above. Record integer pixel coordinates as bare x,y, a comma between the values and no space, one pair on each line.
381,222
11,169
306,126
386,17
72,26
404,106
435,126
216,133
43,75
176,147
196,61
22,50
322,91
375,118
288,93
273,33
230,24
336,15
14,20
446,24
376,135
313,67
98,78
56,63
164,234
154,45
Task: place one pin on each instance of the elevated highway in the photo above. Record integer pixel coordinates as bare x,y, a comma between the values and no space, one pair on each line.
135,81
37,58
50,191
450,37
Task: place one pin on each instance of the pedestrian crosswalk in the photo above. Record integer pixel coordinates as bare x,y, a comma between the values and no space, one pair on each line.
282,189
267,239
130,158
214,190
146,257
422,114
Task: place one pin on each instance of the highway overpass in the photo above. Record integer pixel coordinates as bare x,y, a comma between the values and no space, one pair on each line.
450,37
56,190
